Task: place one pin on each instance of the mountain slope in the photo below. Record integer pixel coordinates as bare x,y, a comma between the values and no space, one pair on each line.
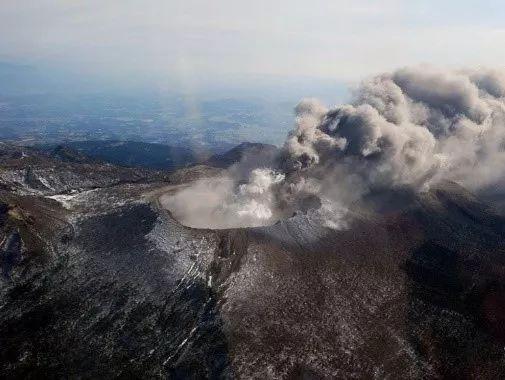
102,282
136,154
265,153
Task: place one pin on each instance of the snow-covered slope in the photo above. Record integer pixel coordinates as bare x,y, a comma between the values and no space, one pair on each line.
99,281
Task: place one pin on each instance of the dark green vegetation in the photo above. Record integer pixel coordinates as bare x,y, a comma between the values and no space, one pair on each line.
133,154
157,156
258,153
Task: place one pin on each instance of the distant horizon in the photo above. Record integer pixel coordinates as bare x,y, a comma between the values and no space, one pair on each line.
191,41
17,76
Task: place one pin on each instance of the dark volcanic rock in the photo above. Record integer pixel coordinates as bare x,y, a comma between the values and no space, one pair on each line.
122,300
101,283
36,172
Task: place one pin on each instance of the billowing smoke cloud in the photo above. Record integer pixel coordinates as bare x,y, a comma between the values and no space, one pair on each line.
220,203
412,127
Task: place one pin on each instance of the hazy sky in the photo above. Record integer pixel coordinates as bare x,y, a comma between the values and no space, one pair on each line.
208,38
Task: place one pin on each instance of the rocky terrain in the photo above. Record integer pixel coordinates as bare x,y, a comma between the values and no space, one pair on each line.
98,281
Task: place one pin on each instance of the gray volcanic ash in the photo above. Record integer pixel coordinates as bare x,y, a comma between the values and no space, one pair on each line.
410,128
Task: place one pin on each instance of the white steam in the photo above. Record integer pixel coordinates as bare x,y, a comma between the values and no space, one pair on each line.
220,203
412,127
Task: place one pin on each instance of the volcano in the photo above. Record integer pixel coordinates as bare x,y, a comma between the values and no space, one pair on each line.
98,280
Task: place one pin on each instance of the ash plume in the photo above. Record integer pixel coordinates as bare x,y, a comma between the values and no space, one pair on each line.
221,203
409,128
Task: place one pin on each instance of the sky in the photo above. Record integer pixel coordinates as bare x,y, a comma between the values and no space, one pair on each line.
198,40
